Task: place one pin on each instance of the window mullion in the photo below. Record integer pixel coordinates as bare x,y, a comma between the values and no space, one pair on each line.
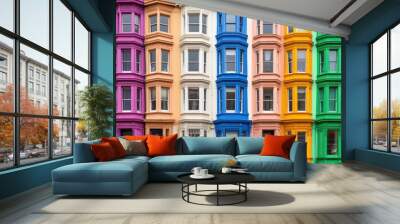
389,101
16,83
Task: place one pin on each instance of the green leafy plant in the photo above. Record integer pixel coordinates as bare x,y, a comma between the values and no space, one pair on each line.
96,103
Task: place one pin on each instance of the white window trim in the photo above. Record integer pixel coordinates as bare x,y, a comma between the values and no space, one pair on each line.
225,63
155,98
122,98
168,99
201,13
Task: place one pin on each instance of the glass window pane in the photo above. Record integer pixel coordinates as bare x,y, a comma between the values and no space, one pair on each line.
268,61
126,98
268,95
395,47
379,98
267,28
332,98
230,99
301,99
395,95
332,142
81,131
379,135
62,138
379,56
126,22
193,55
7,14
194,22
81,82
35,21
164,22
6,74
333,60
230,60
34,144
395,135
62,29
81,45
34,96
164,98
62,89
6,142
204,27
194,98
301,60
153,23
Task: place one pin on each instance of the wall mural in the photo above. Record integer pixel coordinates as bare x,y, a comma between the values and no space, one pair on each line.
196,72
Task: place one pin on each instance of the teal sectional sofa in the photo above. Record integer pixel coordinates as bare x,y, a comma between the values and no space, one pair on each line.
125,176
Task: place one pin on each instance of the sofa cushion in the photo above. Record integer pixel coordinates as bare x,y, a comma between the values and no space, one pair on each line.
83,153
257,163
103,152
207,145
161,146
249,145
134,147
116,145
185,163
277,145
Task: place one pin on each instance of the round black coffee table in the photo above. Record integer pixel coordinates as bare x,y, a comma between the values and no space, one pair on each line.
238,179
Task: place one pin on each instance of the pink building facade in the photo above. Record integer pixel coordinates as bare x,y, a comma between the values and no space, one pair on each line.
130,67
267,73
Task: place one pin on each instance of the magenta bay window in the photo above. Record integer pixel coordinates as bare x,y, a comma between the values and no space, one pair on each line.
130,67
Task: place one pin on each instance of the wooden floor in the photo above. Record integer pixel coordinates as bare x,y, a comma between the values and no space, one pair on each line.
377,188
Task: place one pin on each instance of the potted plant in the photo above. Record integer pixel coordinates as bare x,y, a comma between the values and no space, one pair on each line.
96,102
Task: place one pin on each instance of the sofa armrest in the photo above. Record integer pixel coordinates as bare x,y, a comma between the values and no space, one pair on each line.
83,152
299,159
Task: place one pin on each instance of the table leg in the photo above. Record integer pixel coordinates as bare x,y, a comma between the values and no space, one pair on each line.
196,187
217,194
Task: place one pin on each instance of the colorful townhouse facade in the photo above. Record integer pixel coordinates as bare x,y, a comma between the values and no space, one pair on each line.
130,97
163,70
198,71
327,127
266,77
296,101
232,85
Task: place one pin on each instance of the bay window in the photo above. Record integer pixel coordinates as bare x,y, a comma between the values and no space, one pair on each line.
193,60
194,22
230,23
230,99
194,98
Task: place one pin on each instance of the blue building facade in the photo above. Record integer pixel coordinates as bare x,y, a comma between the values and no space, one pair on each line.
232,110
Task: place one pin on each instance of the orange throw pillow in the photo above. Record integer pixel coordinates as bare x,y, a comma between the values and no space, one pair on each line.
277,145
116,145
161,146
103,152
135,138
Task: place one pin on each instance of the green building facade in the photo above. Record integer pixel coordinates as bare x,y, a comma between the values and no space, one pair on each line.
327,101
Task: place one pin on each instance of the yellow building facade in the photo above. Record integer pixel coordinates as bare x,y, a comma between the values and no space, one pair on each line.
163,68
296,104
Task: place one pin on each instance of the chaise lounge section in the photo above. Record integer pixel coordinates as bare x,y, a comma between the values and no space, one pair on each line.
125,176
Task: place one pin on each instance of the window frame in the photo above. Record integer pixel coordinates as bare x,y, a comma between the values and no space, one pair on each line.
231,89
128,99
127,24
125,61
165,63
153,100
266,101
194,100
300,60
50,52
265,62
167,89
388,75
230,62
302,100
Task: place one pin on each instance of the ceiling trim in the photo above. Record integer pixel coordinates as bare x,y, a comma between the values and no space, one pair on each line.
272,15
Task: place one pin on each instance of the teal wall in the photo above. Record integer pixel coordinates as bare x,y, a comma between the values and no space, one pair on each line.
357,124
100,17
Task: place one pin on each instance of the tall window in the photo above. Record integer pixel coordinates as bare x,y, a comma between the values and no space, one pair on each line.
332,142
268,61
153,23
139,99
193,60
290,99
257,100
138,61
230,98
241,62
268,96
268,28
230,23
164,98
301,60
194,98
205,62
321,99
126,60
164,23
153,60
204,25
164,60
205,99
241,100
333,60
153,99
301,99
47,113
126,22
257,62
321,61
290,61
126,98
137,23
332,99
194,22
230,60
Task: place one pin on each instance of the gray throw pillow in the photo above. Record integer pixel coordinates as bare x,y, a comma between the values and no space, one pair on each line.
137,147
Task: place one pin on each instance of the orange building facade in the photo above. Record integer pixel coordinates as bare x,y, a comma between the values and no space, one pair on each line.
162,67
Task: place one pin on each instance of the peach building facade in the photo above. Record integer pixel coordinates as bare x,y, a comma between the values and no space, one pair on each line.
266,79
162,47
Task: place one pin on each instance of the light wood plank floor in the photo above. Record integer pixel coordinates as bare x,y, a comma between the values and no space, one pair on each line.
353,182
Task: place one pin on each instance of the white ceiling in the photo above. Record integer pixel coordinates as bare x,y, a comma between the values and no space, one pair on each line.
325,16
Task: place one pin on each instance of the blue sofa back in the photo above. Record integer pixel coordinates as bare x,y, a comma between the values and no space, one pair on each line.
83,152
206,145
249,145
